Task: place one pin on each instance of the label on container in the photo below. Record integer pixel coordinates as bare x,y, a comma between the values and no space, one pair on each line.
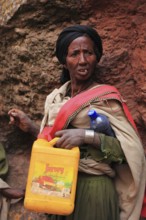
52,180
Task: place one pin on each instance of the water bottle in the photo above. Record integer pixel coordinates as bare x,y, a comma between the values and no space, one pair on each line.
100,123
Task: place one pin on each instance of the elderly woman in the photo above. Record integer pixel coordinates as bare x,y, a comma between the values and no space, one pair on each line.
111,183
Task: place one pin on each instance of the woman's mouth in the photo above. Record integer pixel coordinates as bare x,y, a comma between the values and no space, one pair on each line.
83,71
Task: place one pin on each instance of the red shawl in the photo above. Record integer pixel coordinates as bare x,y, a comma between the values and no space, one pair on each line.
72,107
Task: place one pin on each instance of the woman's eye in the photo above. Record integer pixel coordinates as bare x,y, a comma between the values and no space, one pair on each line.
74,54
77,53
88,53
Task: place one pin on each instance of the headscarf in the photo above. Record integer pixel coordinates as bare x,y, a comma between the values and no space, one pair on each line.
67,36
71,33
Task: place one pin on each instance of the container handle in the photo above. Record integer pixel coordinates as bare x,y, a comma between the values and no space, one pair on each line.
53,141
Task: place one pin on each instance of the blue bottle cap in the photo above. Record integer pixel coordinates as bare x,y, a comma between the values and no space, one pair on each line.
92,114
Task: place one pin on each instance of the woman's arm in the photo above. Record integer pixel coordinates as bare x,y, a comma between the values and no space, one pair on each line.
109,146
76,137
21,120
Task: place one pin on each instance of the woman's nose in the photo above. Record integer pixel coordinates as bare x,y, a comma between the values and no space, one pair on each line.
82,58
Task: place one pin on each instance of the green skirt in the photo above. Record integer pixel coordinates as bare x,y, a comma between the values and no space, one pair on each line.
96,199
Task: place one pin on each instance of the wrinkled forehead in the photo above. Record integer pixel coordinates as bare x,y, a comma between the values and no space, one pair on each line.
84,42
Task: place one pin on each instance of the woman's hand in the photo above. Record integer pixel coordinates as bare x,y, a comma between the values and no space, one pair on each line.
70,138
21,120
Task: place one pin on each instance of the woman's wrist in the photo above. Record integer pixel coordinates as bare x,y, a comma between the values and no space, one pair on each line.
92,137
34,129
89,136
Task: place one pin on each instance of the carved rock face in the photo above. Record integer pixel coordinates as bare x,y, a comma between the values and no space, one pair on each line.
29,70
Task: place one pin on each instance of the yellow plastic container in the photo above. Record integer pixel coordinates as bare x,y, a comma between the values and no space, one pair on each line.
52,178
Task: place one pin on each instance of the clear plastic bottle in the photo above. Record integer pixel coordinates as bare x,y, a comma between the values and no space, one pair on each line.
100,123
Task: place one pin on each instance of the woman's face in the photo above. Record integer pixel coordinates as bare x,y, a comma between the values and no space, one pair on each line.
81,59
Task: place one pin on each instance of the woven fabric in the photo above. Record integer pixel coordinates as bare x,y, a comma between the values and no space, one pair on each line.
77,103
93,200
130,181
8,8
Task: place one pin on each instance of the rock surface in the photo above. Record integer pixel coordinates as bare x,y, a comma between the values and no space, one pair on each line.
29,69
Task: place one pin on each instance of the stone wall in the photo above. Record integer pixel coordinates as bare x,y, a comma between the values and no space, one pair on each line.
29,70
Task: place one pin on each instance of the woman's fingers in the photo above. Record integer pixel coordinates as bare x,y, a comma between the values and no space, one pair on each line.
20,119
14,118
70,138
